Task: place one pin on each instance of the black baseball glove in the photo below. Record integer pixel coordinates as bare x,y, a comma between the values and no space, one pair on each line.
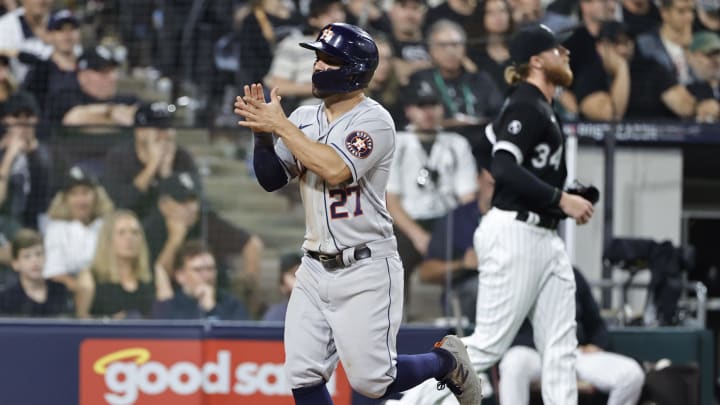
590,193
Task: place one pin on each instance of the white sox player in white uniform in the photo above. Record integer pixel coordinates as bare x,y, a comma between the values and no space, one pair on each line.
524,270
347,300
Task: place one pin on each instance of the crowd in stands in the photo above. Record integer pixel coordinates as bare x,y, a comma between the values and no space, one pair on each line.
124,230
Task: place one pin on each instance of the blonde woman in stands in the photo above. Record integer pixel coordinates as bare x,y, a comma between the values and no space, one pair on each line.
124,286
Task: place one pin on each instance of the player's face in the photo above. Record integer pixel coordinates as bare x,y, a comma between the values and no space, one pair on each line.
324,62
556,65
30,262
81,202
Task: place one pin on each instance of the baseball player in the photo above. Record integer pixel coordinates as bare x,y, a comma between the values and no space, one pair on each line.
347,300
524,270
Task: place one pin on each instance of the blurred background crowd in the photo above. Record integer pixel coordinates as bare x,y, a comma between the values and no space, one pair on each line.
120,154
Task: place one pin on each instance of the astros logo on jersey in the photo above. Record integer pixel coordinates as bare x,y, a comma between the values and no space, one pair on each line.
359,144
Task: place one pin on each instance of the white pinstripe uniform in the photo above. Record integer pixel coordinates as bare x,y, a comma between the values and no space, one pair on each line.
353,313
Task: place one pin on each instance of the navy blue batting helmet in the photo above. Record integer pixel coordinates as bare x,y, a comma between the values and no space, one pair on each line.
354,48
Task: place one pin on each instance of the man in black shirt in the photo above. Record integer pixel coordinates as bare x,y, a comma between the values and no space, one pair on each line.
95,100
409,48
524,270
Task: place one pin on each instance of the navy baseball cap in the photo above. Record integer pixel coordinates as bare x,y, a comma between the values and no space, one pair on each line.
76,176
61,17
420,92
21,102
155,115
533,40
98,58
180,187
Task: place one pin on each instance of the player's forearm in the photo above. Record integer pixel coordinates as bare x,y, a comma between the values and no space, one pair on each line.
319,158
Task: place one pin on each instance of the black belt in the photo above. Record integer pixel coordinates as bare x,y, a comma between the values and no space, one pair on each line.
335,261
544,221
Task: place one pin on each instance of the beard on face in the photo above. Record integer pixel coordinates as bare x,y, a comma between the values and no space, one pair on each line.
559,74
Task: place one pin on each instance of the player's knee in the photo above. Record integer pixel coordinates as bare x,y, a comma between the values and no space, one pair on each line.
369,387
633,378
515,363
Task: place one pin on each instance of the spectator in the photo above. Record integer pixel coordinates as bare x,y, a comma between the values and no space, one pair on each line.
385,85
154,155
59,70
408,44
428,177
654,91
121,270
24,167
618,375
526,12
7,84
24,29
289,70
490,52
197,296
368,14
267,24
32,295
75,218
153,158
95,101
640,16
667,44
178,218
704,59
461,12
601,79
468,98
451,243
707,16
289,264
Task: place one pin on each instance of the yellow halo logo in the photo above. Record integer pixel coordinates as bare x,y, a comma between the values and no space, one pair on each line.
141,355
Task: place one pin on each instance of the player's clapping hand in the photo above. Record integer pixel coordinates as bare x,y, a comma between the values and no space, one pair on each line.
258,115
576,207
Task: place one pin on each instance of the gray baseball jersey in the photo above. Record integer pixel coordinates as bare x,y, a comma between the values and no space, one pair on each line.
353,213
326,305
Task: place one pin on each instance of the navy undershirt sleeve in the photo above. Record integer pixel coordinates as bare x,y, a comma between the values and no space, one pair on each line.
268,169
506,171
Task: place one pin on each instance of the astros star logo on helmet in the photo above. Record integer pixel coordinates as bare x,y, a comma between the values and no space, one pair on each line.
327,34
359,144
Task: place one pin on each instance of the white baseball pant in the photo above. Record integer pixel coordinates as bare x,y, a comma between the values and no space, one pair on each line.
618,375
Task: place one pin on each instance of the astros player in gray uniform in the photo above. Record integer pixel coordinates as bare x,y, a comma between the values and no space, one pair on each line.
347,300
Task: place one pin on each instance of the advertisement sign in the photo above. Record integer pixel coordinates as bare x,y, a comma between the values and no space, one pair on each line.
189,372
